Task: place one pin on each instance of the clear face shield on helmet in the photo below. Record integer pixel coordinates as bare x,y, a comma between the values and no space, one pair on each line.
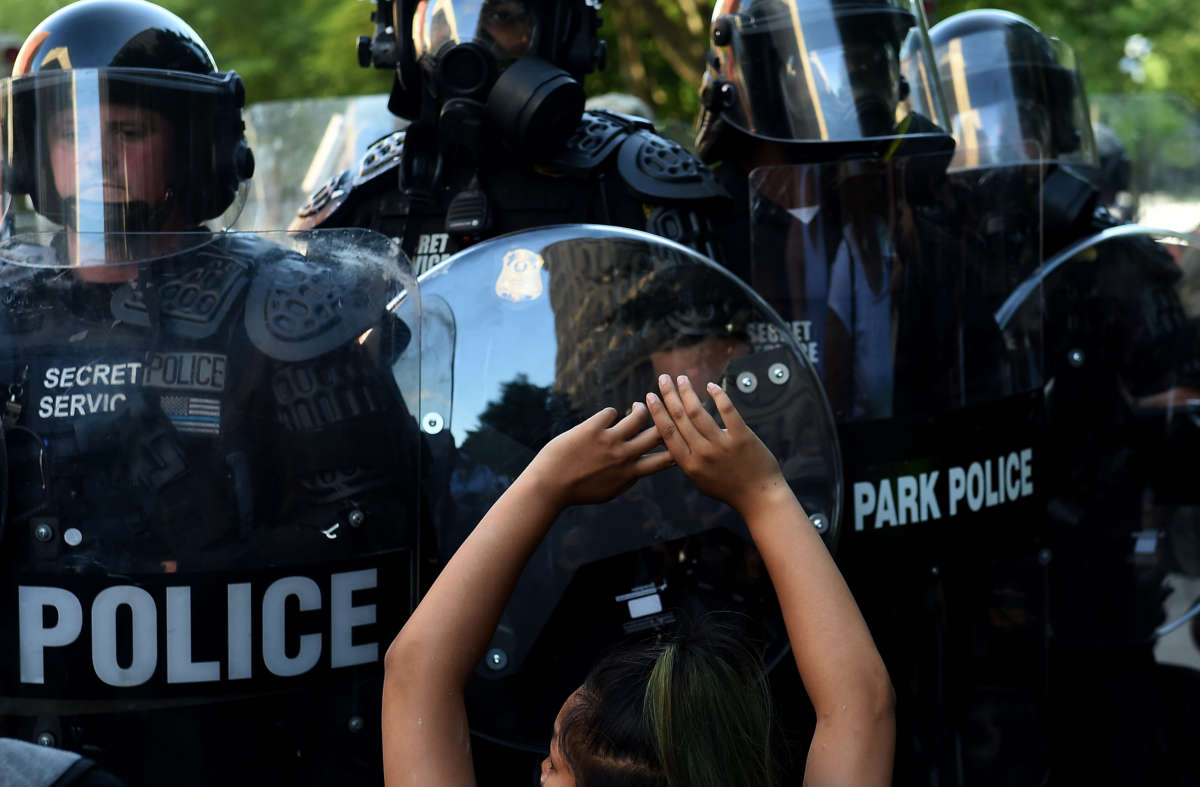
818,70
1012,99
121,165
506,28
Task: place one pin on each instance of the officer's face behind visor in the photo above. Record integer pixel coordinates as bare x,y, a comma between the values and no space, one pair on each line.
100,160
126,160
815,70
505,27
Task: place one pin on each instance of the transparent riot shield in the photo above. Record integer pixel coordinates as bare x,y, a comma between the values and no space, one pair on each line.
550,326
1149,146
889,273
212,501
300,144
1123,403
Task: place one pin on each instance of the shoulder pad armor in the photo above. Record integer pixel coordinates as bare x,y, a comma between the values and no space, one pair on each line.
330,205
197,291
598,134
659,170
299,308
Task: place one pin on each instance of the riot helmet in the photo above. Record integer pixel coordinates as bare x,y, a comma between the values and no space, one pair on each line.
515,66
824,72
117,122
1014,94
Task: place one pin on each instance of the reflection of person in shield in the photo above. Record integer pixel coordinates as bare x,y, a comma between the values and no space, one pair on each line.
187,412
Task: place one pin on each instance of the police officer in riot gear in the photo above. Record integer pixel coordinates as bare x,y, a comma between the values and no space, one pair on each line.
1116,340
857,235
499,141
1015,96
795,81
209,505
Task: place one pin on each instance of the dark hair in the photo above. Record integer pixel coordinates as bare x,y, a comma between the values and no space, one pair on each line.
693,709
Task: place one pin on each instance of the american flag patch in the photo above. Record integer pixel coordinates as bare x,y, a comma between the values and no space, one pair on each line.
194,414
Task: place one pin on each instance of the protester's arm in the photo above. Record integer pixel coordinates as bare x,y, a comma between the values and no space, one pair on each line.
425,734
842,671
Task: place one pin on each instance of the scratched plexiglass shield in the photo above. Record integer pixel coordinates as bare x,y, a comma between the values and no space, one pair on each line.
551,326
211,501
1123,308
892,274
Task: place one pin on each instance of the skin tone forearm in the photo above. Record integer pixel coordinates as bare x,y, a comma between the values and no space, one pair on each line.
837,659
425,733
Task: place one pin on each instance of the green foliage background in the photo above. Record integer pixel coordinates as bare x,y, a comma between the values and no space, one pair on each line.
298,48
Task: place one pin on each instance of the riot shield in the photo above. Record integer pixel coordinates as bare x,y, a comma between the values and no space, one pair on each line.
213,497
300,144
1123,394
1151,169
550,326
890,272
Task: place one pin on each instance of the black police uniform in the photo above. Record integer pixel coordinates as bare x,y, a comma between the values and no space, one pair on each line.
1115,331
210,492
614,170
511,149
184,425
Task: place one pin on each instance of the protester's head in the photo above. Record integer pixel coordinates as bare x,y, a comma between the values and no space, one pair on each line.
117,122
688,710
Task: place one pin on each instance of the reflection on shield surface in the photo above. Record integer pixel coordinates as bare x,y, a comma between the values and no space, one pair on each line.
212,498
550,326
889,273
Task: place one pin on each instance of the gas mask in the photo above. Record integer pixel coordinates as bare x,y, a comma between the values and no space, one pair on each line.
479,62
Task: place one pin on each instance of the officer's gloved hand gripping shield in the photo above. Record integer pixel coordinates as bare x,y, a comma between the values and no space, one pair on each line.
212,493
550,326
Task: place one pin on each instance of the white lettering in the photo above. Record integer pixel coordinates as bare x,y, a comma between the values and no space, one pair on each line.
104,636
238,626
34,636
274,624
975,486
346,617
885,509
906,490
958,488
180,667
51,379
929,503
1026,472
990,492
1012,483
864,502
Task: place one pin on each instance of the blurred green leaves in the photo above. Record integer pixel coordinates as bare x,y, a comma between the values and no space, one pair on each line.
294,48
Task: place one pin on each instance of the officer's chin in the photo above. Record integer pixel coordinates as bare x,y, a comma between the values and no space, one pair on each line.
100,258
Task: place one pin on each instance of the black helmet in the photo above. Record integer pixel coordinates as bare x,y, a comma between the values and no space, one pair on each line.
820,72
1014,94
518,63
97,82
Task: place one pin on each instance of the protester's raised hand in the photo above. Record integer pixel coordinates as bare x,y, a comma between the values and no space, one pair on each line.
598,459
730,464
